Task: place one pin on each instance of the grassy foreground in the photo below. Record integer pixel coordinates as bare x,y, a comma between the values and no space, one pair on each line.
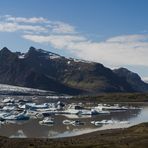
133,137
113,97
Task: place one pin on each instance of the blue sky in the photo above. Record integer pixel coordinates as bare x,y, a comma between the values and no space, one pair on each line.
112,32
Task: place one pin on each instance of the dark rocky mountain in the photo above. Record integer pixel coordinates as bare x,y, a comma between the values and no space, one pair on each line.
46,70
133,79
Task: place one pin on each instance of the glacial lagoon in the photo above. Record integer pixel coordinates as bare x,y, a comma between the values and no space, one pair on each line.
32,129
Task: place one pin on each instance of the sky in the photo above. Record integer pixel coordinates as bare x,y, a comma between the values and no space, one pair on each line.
111,32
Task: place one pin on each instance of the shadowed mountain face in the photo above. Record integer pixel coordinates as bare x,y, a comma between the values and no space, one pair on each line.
133,79
46,70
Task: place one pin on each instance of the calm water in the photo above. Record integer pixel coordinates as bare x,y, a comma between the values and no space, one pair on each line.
32,128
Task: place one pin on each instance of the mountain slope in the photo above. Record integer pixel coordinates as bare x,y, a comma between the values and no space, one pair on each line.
28,71
46,70
133,79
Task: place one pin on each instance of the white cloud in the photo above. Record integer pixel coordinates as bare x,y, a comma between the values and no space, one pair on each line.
128,38
57,41
13,27
10,23
120,50
10,18
60,27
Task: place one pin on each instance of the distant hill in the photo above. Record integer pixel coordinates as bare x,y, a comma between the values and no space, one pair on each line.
133,79
41,69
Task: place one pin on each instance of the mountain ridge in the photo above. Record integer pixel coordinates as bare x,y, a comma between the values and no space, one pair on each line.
42,69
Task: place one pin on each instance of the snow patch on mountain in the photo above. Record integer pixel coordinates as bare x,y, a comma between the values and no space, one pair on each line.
83,61
22,56
54,56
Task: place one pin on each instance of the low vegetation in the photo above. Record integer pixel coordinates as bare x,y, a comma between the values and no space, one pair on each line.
114,97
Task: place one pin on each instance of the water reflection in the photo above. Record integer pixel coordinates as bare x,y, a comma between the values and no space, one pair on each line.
18,134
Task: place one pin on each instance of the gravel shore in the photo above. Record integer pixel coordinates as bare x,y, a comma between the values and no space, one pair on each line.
133,137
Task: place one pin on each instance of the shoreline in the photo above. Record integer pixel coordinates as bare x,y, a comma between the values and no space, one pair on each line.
134,136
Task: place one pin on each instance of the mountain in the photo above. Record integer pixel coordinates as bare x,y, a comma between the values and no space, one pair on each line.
41,69
133,79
